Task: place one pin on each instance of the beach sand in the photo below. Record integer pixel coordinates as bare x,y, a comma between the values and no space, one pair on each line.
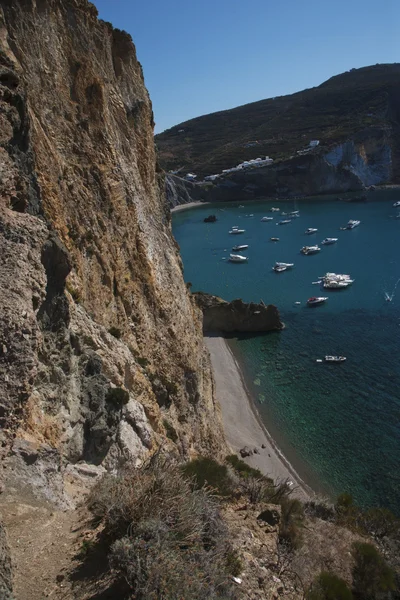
181,207
241,423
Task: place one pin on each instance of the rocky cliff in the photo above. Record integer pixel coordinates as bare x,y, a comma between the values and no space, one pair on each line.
227,317
101,352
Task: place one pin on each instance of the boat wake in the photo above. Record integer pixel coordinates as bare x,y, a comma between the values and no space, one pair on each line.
389,297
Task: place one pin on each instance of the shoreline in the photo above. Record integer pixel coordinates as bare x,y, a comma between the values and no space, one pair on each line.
242,423
187,206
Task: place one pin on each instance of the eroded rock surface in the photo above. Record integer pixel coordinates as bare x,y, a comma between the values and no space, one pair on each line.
220,315
100,342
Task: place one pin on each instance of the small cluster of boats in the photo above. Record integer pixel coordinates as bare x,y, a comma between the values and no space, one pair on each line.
335,281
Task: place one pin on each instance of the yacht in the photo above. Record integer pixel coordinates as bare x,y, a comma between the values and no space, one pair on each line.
310,249
274,209
335,359
279,268
310,230
295,213
274,239
235,230
238,258
328,241
243,247
336,285
397,203
267,219
315,300
282,264
284,222
352,223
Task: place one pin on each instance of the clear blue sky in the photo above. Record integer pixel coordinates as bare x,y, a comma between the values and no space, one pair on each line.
201,56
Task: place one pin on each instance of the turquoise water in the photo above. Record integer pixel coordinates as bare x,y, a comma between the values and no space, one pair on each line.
339,424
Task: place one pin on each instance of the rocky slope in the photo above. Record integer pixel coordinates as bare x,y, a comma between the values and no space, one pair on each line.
354,116
101,352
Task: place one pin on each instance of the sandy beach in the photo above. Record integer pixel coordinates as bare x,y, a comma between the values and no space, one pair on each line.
241,423
188,205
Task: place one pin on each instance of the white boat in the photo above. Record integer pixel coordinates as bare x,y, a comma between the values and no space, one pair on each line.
335,359
397,203
315,300
310,230
328,241
337,285
274,239
274,209
236,231
279,268
352,223
243,247
238,258
310,249
294,214
284,222
267,219
282,264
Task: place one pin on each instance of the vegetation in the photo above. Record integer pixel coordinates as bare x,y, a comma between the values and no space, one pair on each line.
291,521
341,107
371,574
242,468
207,472
166,537
328,586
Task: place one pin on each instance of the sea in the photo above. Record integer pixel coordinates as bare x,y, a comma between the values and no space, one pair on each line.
337,424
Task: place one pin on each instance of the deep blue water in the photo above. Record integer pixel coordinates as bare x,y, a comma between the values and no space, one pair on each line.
339,425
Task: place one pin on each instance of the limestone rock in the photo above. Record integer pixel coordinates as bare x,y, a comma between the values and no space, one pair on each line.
219,315
130,443
5,567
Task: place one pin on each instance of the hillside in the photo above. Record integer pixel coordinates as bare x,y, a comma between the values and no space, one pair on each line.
362,101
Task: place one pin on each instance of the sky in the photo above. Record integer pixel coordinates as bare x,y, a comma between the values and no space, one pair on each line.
202,56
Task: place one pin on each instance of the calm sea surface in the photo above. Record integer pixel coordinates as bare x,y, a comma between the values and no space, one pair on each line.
338,424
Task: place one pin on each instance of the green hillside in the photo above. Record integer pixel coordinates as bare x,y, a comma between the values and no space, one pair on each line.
343,106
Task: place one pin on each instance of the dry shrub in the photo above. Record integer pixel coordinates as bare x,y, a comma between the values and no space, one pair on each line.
168,538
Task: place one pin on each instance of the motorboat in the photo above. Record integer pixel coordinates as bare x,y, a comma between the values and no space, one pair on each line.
336,278
282,264
237,248
337,285
335,359
274,239
279,268
284,222
236,231
328,241
397,203
310,230
315,300
267,219
238,258
294,214
352,223
310,249
275,209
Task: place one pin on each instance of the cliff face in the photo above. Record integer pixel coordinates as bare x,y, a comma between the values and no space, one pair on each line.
350,166
86,249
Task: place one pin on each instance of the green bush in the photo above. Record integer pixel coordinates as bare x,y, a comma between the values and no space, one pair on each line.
208,472
371,574
167,539
327,586
117,396
242,468
344,503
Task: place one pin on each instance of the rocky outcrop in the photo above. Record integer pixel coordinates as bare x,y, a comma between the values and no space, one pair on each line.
100,342
219,315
